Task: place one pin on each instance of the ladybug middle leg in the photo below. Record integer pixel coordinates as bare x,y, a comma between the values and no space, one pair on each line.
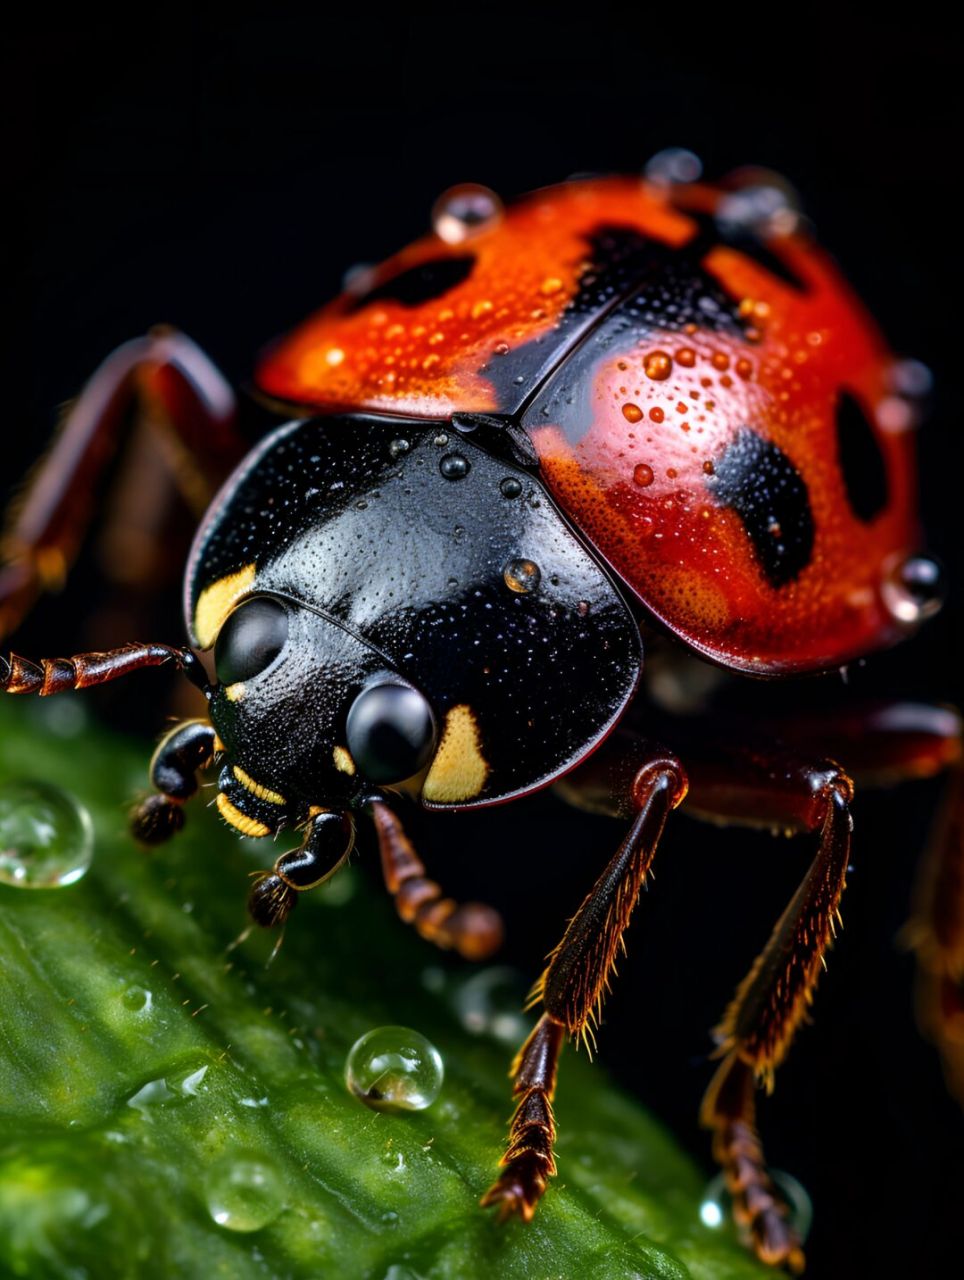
645,783
472,929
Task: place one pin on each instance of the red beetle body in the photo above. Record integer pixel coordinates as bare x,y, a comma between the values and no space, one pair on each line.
709,402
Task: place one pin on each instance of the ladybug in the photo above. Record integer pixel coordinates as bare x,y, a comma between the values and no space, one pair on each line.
620,417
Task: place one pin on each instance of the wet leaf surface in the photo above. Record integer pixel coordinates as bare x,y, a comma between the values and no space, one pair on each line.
171,1108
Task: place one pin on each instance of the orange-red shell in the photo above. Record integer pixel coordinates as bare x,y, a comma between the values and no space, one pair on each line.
634,402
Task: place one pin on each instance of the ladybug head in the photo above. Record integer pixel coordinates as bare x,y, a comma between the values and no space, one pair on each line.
309,715
387,604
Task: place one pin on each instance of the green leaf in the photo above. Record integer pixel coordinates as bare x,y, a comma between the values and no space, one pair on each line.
141,1065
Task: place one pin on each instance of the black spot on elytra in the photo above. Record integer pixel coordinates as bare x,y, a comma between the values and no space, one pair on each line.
751,246
758,481
861,461
642,283
421,283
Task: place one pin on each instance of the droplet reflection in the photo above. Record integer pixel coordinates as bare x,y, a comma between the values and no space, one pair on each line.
394,1069
46,837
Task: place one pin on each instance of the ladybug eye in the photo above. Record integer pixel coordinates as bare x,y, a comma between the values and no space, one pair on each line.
391,732
250,640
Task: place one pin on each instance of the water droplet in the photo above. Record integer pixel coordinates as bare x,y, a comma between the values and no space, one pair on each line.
394,1069
501,348
522,576
491,1002
358,279
911,378
399,446
632,412
895,415
244,1192
658,365
441,440
643,474
765,206
149,1095
464,211
191,1084
915,590
137,999
510,487
672,165
46,837
716,1203
657,414
454,466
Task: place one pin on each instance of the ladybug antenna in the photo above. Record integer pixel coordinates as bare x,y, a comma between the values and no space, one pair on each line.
61,675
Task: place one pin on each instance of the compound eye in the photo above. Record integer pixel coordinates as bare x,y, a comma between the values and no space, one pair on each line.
391,732
250,640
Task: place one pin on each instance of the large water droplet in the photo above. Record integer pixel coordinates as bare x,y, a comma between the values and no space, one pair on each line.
716,1203
491,1002
464,211
244,1192
394,1069
46,837
522,576
672,165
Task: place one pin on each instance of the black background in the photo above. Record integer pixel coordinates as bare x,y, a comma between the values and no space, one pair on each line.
222,172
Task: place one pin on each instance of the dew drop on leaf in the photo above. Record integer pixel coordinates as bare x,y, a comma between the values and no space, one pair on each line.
394,1069
244,1192
46,837
716,1204
491,1003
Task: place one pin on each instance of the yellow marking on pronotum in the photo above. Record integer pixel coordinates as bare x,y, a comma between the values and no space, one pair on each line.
235,692
214,603
240,821
256,789
343,761
459,769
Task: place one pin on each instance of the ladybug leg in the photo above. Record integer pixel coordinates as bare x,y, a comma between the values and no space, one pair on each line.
935,932
577,976
773,787
472,929
181,389
181,754
885,743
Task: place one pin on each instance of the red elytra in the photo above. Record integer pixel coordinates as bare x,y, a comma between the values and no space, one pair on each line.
687,394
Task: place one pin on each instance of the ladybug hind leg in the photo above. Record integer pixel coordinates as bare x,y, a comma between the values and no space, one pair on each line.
577,976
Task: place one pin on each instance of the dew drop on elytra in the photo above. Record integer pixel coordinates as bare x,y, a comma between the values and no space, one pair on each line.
244,1192
672,165
914,591
464,211
522,576
765,207
46,837
394,1069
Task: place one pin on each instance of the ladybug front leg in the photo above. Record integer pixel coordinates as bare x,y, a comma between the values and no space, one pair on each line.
164,373
472,929
646,786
